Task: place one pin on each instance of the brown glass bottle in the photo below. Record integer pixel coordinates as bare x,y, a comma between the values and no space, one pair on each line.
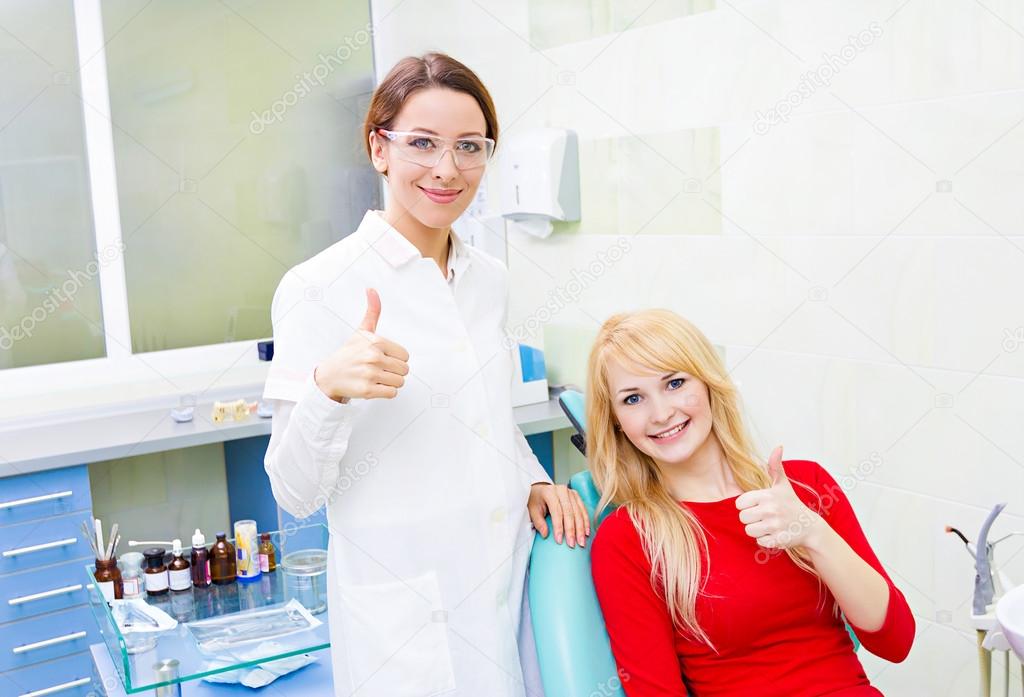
179,576
155,571
108,576
200,561
222,561
267,561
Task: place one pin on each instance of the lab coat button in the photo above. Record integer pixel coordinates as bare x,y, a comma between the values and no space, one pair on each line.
482,430
498,515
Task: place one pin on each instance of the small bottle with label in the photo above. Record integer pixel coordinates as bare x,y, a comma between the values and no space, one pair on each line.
179,574
222,561
131,574
267,558
156,571
108,578
200,561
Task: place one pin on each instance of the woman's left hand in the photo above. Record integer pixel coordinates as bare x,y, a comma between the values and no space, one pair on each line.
568,514
776,517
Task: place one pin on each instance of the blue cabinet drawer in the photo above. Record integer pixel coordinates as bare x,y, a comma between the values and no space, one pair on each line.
46,589
43,494
47,636
50,541
73,673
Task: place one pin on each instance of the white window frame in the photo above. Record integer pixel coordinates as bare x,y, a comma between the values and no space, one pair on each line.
111,378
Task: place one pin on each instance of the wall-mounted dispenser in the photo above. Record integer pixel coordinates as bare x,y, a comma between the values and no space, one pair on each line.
540,179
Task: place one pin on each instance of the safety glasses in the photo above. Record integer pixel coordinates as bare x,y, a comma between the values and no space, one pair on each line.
426,150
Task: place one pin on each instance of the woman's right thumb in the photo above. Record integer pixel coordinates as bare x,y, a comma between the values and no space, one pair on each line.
372,315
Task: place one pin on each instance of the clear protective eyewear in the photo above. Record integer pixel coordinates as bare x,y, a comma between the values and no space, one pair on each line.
426,150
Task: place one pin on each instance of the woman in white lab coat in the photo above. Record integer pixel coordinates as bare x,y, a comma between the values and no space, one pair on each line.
392,377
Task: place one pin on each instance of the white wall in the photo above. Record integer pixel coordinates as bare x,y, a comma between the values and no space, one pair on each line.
862,263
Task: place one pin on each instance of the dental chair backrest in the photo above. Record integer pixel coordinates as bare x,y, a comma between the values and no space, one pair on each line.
572,643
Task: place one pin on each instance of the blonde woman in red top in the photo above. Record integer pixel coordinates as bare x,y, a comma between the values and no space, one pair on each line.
719,574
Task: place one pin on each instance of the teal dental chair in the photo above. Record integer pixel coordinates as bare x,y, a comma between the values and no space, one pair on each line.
572,644
573,649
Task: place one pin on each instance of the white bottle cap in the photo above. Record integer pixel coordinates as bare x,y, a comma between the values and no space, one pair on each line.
197,539
176,547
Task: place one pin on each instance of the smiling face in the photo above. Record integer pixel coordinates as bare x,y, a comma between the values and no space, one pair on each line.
433,196
665,415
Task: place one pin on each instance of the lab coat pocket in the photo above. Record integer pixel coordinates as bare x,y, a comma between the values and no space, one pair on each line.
396,635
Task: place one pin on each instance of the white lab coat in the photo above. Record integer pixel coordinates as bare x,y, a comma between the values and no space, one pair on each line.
426,493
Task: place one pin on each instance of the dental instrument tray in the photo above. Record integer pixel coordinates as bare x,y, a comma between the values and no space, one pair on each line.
217,634
256,617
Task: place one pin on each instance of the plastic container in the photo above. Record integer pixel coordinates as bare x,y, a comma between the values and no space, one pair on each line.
305,578
247,562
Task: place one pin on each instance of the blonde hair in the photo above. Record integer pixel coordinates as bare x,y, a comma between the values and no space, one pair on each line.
673,539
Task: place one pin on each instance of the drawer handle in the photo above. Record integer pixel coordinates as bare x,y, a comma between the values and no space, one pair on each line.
57,688
25,648
45,594
36,499
40,548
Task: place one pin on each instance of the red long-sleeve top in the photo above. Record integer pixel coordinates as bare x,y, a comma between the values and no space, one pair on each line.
771,622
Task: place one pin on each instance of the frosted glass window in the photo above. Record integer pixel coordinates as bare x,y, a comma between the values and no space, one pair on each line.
236,137
49,267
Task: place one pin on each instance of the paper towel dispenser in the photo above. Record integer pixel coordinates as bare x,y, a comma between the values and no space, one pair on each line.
540,179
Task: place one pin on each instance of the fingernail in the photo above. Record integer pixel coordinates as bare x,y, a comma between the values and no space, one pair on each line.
558,538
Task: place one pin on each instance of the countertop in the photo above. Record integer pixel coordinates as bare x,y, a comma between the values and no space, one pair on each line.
80,436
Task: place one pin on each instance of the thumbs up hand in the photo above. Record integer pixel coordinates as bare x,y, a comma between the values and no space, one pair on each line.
367,366
776,517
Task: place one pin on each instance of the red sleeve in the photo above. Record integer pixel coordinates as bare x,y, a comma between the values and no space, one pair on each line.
638,623
893,639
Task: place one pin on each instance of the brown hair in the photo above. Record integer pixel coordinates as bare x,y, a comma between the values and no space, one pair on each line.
412,74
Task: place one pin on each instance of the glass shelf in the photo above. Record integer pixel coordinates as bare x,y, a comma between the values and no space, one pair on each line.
135,655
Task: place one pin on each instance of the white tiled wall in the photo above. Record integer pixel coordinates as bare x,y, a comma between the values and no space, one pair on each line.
862,262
